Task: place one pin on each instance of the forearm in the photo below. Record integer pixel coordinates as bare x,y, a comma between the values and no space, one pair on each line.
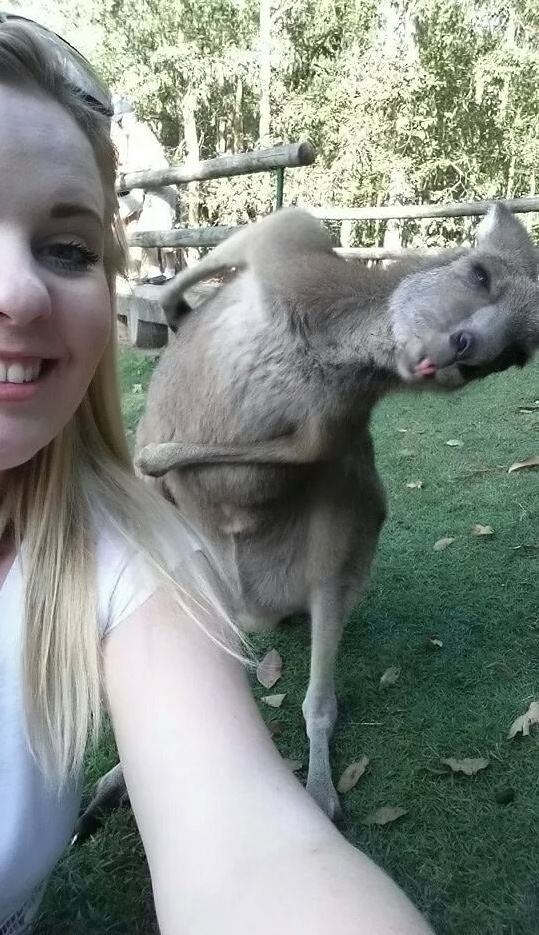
234,843
324,887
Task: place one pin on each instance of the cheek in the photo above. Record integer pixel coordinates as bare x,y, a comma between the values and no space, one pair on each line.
88,324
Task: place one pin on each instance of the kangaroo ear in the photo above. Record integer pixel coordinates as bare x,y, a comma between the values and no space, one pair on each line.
500,232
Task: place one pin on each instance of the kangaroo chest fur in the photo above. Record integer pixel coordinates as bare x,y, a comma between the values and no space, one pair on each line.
273,529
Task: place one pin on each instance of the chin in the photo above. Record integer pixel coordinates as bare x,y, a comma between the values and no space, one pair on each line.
13,455
449,378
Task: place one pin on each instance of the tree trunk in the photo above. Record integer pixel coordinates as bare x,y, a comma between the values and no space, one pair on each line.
265,72
510,41
192,156
510,177
221,135
394,228
237,123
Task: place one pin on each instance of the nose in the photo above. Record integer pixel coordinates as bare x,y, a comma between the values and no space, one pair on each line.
463,342
24,296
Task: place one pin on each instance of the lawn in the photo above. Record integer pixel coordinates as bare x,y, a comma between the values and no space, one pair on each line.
470,862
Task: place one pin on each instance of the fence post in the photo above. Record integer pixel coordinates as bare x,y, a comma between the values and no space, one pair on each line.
279,187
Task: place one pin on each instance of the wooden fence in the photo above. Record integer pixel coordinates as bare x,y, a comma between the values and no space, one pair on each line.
139,304
146,322
211,236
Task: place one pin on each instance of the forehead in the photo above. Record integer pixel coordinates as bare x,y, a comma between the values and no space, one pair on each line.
43,150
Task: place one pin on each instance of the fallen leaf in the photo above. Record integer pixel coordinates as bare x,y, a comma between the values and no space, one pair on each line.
455,443
293,765
406,453
390,677
437,770
269,669
479,530
442,543
434,641
528,463
501,669
275,728
469,765
352,774
523,723
274,701
137,387
385,815
402,431
414,484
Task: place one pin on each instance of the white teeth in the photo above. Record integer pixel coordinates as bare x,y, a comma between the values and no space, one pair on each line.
15,373
19,373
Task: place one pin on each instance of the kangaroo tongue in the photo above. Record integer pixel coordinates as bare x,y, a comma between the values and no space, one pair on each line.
425,368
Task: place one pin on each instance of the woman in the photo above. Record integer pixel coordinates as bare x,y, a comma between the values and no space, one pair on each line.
86,598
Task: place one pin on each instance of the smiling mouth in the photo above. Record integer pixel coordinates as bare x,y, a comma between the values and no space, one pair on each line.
28,370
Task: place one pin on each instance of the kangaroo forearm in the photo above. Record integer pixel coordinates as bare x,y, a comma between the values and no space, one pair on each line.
297,448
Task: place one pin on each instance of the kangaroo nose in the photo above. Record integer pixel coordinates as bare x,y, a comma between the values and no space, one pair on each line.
463,342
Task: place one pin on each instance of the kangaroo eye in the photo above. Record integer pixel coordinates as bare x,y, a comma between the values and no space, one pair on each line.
481,275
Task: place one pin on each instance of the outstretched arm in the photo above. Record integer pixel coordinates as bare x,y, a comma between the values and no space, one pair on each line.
226,827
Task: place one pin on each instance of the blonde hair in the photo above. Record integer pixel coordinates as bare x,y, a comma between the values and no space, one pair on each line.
52,501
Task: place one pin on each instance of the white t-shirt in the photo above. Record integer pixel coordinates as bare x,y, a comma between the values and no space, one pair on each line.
36,822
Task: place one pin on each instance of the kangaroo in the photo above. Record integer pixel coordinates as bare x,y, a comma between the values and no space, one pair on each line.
257,418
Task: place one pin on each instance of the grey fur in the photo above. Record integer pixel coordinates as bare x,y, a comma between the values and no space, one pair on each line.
257,418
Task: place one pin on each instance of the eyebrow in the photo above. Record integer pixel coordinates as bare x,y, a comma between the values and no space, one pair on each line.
72,209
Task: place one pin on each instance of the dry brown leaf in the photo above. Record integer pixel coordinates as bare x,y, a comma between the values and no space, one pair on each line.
414,484
469,765
435,642
269,669
406,453
455,443
527,463
523,723
275,728
352,774
442,543
390,677
385,815
479,530
293,765
274,701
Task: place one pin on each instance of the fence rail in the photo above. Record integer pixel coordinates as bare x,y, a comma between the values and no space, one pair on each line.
211,236
408,212
286,156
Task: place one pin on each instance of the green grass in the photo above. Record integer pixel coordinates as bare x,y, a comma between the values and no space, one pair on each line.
468,862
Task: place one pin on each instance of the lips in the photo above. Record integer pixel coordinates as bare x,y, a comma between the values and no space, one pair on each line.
22,377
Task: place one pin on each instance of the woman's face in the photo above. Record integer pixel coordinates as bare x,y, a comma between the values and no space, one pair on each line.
55,307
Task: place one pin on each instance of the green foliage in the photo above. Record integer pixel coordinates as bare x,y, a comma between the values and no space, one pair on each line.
408,100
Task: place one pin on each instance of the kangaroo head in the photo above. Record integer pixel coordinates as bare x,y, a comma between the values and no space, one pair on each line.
473,314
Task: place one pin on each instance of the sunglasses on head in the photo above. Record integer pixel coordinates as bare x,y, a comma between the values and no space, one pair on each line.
76,67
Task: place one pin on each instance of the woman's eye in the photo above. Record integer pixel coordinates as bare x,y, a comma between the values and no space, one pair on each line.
72,256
